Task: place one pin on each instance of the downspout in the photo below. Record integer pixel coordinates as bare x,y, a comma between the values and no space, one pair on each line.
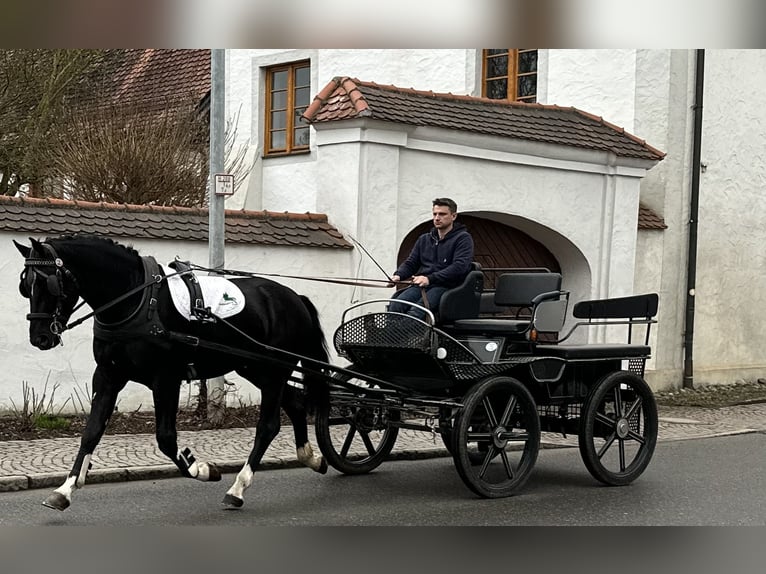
691,259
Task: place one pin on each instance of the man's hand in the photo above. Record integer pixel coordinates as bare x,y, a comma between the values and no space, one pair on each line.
420,281
394,280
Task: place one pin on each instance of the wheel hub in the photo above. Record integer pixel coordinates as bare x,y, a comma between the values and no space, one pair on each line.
622,428
499,437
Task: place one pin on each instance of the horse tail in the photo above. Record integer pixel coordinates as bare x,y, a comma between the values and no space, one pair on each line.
317,391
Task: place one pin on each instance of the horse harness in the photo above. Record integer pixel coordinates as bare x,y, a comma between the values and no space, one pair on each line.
54,283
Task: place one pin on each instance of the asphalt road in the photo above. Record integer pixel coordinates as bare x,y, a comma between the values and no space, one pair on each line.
714,481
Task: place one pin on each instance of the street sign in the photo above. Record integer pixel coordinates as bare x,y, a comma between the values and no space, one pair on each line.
224,184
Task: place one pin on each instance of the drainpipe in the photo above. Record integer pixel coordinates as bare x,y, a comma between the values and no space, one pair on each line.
691,260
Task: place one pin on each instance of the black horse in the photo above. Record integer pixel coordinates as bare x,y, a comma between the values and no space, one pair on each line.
136,338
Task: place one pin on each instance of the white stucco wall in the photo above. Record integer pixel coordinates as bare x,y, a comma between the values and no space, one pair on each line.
731,283
601,82
71,366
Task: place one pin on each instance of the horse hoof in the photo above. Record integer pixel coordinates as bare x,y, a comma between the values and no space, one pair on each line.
322,467
214,473
232,501
56,501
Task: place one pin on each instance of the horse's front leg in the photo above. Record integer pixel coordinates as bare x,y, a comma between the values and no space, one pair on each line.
265,432
166,395
106,387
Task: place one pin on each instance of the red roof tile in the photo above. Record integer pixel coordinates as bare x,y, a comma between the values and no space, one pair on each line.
58,217
347,98
648,219
153,77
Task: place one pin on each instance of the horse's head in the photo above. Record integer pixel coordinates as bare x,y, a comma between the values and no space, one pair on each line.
52,292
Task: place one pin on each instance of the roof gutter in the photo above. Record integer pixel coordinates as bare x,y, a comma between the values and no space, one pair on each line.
691,260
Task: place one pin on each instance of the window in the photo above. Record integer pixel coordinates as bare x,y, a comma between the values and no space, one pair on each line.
287,97
510,74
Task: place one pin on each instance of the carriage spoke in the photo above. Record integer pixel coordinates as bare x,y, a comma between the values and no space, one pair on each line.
637,437
487,459
602,418
478,437
347,443
622,456
607,444
511,436
509,408
507,464
365,436
617,401
490,411
634,407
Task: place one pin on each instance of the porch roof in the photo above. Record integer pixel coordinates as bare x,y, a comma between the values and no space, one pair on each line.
58,217
348,98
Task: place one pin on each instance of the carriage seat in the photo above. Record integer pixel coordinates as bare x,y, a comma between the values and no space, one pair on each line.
463,301
522,290
632,310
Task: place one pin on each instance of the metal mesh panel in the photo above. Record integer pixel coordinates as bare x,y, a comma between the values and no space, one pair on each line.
568,411
636,366
383,330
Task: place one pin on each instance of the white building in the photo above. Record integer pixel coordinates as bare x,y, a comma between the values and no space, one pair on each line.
611,212
375,179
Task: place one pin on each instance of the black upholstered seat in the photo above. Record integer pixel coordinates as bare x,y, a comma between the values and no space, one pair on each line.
513,290
463,301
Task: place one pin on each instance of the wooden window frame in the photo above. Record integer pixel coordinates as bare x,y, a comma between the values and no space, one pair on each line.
291,120
512,74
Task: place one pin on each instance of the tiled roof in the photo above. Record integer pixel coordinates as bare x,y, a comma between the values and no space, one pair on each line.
347,98
146,77
648,219
57,217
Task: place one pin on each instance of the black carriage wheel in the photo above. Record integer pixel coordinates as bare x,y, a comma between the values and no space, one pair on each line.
618,428
498,423
355,438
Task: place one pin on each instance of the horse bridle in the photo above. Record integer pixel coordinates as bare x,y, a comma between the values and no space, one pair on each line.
54,283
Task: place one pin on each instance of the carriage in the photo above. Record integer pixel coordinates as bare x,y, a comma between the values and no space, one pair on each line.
489,371
489,386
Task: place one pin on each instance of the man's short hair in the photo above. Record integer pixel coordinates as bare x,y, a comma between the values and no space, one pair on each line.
446,202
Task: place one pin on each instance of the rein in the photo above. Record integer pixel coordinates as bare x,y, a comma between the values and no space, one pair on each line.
377,283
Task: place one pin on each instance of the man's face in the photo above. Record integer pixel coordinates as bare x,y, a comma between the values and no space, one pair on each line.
443,218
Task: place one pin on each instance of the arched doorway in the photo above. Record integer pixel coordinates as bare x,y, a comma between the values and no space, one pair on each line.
495,245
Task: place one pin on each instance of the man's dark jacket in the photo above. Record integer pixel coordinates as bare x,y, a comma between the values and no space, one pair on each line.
445,262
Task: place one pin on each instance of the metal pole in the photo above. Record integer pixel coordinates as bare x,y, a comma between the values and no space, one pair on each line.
691,266
217,134
216,222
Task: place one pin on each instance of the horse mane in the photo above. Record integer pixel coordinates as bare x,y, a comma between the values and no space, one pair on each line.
94,239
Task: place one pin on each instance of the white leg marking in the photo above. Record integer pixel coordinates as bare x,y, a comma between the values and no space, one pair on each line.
307,457
204,472
242,482
83,471
66,489
198,470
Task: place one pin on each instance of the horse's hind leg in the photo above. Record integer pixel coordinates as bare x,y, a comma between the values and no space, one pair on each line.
294,407
271,382
105,391
166,395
